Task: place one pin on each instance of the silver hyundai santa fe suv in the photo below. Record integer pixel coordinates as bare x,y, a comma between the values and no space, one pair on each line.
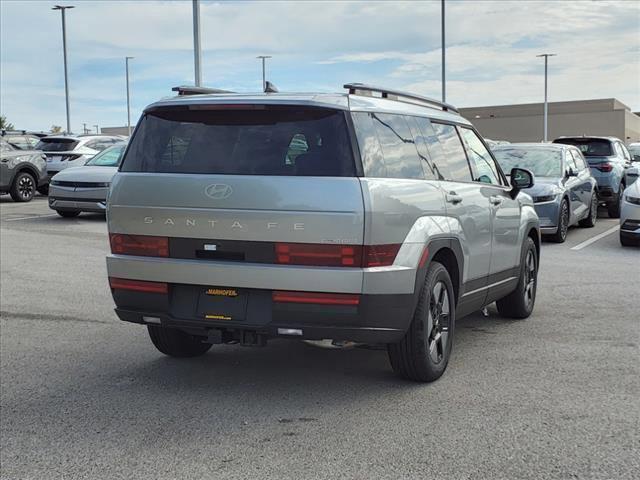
373,216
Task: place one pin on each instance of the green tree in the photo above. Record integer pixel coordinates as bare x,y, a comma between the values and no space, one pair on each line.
4,124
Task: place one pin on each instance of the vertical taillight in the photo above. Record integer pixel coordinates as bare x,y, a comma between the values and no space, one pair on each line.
329,255
143,245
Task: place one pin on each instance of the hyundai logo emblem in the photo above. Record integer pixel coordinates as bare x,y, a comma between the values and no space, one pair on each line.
218,191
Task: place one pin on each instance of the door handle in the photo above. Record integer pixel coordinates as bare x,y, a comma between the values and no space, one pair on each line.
495,200
453,197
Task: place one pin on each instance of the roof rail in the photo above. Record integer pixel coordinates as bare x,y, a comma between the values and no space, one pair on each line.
193,90
400,96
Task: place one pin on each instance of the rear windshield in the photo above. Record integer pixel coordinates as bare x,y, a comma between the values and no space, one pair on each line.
542,162
590,147
56,144
242,140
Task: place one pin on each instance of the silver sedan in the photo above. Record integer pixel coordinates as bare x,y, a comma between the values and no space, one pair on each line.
85,188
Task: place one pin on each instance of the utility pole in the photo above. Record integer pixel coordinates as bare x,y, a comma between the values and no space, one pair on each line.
84,128
444,86
264,76
97,130
197,52
62,9
126,66
546,106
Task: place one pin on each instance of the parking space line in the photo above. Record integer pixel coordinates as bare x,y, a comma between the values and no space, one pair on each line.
27,218
586,243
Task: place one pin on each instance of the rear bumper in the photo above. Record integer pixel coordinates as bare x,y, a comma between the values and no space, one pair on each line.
377,319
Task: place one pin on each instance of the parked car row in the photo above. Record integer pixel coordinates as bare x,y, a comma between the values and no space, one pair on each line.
29,161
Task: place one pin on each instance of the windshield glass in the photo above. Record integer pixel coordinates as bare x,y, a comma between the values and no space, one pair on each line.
542,162
109,157
590,147
56,144
242,140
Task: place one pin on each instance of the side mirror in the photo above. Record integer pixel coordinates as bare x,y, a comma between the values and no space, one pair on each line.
571,173
520,178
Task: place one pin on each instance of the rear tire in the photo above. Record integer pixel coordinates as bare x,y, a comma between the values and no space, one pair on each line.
176,343
23,187
423,354
68,213
520,302
563,223
613,208
590,221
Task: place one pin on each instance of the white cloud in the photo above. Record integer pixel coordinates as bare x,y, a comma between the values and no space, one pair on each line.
491,47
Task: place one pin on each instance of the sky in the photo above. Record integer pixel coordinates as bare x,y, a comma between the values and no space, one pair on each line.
316,46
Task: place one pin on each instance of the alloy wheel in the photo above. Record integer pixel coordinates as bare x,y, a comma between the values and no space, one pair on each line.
529,278
438,322
26,187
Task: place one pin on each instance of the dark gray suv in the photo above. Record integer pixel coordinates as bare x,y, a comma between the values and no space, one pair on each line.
21,171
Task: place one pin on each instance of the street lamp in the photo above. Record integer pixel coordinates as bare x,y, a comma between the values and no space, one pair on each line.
126,66
264,78
197,51
444,88
62,9
546,106
97,130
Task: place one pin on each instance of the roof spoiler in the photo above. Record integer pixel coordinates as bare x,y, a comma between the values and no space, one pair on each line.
193,90
400,96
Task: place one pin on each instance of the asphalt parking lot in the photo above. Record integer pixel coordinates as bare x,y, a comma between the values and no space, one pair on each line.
84,395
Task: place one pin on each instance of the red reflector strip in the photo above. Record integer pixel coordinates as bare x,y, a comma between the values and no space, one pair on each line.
138,285
317,298
143,245
424,257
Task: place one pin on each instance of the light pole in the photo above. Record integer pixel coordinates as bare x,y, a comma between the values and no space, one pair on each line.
546,106
444,88
197,52
97,130
264,77
126,66
62,9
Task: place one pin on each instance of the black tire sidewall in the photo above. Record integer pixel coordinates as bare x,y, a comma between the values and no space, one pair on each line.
424,366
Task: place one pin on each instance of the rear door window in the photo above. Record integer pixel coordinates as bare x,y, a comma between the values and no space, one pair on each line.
243,140
398,147
430,172
437,157
457,166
